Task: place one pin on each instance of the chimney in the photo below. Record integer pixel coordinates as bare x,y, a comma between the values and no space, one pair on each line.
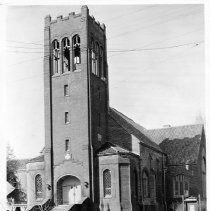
166,126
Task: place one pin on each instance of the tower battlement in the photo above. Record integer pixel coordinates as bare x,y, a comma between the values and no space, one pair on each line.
83,14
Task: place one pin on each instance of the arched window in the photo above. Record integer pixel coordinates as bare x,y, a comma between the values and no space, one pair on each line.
38,186
186,187
178,185
107,183
187,166
153,184
145,182
101,63
93,57
204,176
55,57
65,55
76,51
97,59
135,184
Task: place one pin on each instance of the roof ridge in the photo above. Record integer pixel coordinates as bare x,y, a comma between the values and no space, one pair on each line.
134,128
178,126
115,110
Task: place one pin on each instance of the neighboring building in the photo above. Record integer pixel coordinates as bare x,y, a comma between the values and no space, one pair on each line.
16,192
186,164
91,150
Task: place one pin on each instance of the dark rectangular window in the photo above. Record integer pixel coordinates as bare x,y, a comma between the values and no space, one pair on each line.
176,186
186,188
67,145
98,119
99,137
181,184
99,92
66,90
66,117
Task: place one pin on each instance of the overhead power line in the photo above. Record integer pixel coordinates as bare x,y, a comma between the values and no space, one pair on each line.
163,15
125,50
152,43
157,23
29,43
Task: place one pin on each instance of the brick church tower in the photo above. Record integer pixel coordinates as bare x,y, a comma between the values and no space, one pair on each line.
76,105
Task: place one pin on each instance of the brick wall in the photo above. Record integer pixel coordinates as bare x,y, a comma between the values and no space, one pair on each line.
118,135
33,169
152,162
193,175
151,159
76,104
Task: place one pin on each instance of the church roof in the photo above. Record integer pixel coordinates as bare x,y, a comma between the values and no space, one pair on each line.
111,149
39,158
21,164
133,128
182,151
179,132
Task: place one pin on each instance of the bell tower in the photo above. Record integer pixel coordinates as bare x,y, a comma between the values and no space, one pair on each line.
76,104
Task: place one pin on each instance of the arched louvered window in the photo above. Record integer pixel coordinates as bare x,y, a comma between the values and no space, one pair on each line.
93,57
145,182
204,177
76,51
55,57
101,63
97,59
107,183
65,55
38,186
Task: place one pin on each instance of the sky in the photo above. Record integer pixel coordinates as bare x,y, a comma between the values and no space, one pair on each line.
155,58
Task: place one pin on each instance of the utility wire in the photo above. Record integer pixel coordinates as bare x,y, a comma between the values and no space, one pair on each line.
125,50
154,24
195,44
148,19
187,33
42,74
35,43
122,51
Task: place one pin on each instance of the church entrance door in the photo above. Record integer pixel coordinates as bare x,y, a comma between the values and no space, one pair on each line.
74,194
70,187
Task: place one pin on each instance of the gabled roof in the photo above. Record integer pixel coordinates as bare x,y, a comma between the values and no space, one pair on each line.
182,151
21,164
133,128
111,149
180,132
39,158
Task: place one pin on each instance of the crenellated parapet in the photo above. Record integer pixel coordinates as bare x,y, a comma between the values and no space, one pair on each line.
84,14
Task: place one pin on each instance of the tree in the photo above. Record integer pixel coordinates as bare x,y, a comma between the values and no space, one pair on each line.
11,167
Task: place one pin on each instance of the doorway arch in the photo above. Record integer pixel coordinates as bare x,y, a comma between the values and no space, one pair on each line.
68,190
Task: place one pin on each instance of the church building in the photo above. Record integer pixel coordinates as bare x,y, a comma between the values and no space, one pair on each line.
91,150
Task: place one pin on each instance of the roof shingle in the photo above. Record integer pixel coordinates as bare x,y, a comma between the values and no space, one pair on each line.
182,151
110,149
179,132
39,158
